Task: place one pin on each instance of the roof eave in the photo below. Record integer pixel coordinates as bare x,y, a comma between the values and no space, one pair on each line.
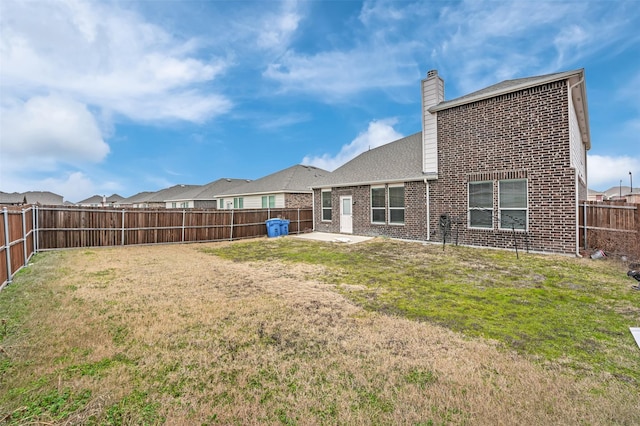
463,101
377,182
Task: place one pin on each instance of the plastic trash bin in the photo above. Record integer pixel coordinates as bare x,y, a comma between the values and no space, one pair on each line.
273,228
284,227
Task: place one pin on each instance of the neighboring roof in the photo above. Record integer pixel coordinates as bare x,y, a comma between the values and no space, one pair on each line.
97,199
615,191
13,198
43,197
294,179
172,193
140,197
400,160
210,190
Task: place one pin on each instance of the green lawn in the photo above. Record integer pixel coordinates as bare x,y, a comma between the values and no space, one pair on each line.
557,308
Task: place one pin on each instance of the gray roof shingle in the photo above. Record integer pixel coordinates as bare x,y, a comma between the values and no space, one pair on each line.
210,190
400,160
294,179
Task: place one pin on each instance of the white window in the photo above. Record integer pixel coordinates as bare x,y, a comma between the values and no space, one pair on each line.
512,197
396,204
174,205
238,203
326,206
221,203
378,204
481,204
268,201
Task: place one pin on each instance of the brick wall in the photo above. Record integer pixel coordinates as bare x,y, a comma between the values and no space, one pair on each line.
525,133
415,219
297,201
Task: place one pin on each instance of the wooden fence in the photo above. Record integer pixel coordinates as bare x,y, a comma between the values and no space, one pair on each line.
612,226
17,241
34,229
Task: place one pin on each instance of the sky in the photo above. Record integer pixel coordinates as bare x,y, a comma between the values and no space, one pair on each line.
104,97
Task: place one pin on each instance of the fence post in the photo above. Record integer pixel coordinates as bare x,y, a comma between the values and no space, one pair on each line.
584,222
24,238
35,228
7,248
231,232
184,212
298,221
122,236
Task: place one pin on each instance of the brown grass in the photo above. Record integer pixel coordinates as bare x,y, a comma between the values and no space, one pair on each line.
214,341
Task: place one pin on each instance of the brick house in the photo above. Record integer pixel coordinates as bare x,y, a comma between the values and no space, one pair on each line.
506,163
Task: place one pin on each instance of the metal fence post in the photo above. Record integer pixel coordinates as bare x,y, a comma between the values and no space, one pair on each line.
36,225
231,232
24,238
584,217
7,243
298,231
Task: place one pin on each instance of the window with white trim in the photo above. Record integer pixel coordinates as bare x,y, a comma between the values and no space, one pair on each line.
268,201
481,204
512,199
221,203
326,205
238,203
396,204
378,204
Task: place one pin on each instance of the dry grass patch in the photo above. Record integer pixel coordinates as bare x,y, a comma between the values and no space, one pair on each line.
172,335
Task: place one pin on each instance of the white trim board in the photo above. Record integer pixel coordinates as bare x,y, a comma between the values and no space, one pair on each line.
635,332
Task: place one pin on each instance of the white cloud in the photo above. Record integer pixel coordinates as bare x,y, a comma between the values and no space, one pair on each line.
604,172
335,75
47,130
379,132
276,29
106,57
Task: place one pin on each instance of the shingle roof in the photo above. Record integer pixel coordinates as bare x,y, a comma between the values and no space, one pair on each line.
400,160
43,197
210,190
171,193
296,178
140,197
504,87
13,198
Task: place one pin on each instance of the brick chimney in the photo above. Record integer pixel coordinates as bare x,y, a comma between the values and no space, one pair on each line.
432,94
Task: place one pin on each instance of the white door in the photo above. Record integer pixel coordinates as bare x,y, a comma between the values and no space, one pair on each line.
346,221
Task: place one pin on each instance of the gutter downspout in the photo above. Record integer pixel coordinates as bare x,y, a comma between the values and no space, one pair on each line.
577,180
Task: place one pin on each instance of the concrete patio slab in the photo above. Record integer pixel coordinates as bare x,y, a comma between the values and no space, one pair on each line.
336,238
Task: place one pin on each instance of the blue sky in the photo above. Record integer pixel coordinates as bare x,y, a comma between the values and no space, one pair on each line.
129,96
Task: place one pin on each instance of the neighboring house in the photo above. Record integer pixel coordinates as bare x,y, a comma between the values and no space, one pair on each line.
138,200
288,188
505,162
622,193
101,201
158,199
593,195
31,197
203,197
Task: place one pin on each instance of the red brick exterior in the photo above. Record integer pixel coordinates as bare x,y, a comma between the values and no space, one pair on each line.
519,135
297,201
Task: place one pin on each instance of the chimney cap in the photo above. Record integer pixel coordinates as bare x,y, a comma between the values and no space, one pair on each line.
432,73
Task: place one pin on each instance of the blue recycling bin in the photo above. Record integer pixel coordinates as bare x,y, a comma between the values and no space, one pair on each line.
273,228
284,227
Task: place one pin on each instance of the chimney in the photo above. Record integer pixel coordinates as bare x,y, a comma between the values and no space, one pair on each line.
432,94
